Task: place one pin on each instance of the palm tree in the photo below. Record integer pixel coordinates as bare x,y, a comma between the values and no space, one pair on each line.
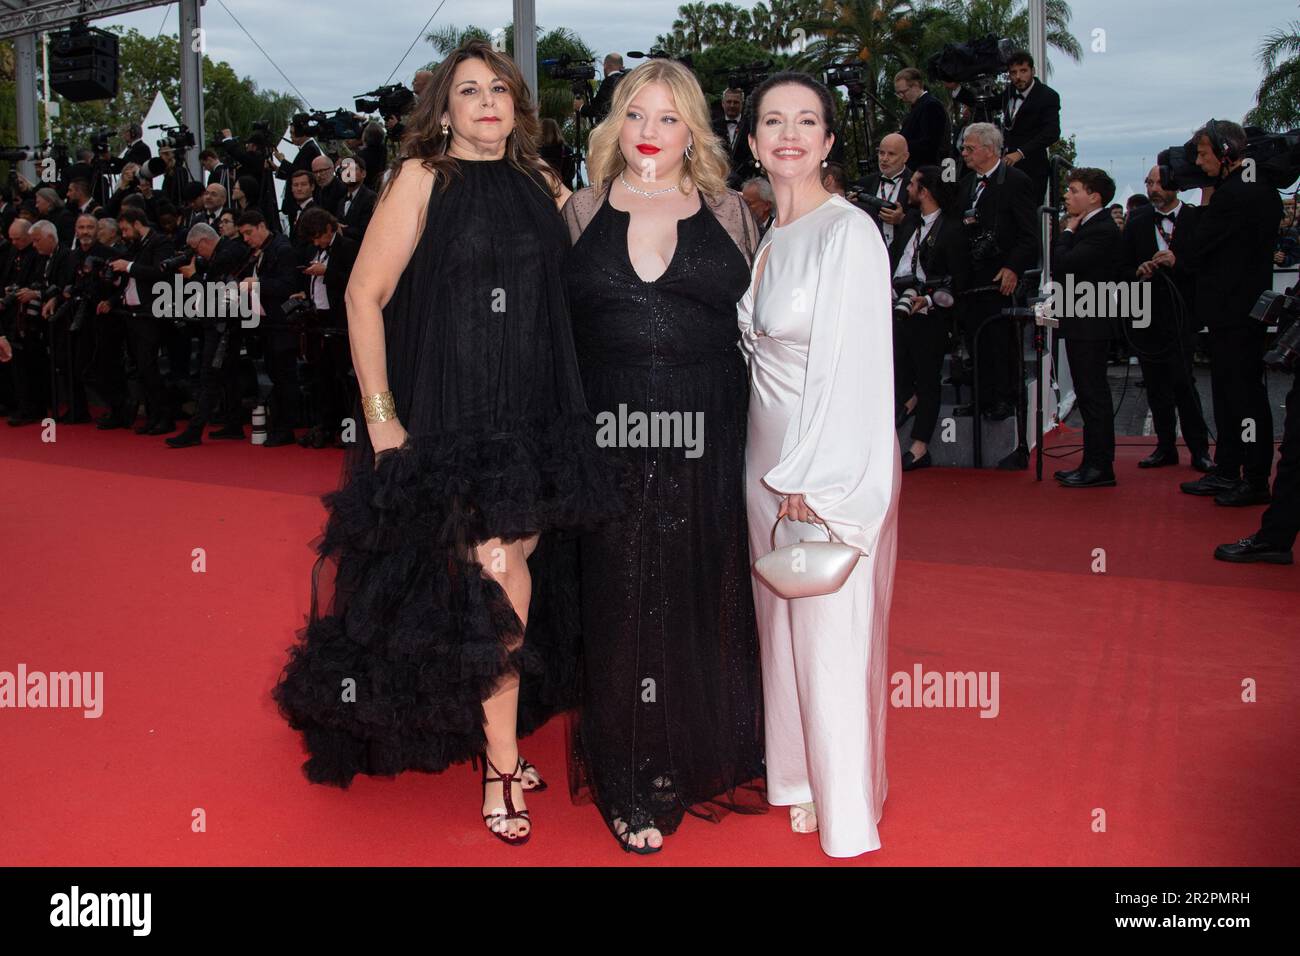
1277,101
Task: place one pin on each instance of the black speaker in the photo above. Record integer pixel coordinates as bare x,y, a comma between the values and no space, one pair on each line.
83,64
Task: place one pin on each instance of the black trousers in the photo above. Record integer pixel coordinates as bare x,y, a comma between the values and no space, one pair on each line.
72,352
1280,522
330,358
998,362
280,353
1087,360
920,343
1241,398
31,368
1171,388
107,370
143,335
219,376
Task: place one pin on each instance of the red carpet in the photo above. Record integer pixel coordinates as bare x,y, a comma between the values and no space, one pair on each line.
1120,693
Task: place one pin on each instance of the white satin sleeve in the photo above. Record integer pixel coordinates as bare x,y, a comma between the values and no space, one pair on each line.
745,307
839,448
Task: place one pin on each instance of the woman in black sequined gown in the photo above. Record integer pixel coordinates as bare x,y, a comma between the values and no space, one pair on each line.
671,714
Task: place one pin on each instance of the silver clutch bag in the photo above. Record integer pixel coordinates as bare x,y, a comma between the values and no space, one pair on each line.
808,568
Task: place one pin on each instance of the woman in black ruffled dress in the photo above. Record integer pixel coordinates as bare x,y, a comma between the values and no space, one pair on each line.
449,624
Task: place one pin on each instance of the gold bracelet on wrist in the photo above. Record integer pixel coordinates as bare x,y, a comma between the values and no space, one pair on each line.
379,407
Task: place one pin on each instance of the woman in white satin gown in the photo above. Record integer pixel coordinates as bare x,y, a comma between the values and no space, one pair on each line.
816,328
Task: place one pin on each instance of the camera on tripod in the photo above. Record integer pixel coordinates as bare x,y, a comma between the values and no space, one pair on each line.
1284,311
568,68
979,66
178,138
907,289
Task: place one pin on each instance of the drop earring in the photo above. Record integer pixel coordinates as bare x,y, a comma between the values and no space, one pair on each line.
690,150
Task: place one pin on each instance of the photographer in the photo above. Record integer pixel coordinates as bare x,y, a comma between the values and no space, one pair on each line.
308,149
329,188
926,122
22,341
890,185
276,278
598,108
137,150
254,163
930,244
217,172
1031,113
373,154
73,330
733,127
147,250
50,206
1166,346
329,355
1233,259
299,197
221,260
1003,239
177,182
79,200
1088,251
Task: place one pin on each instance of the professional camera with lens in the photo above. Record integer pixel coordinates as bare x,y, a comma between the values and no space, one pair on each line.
865,200
1284,311
979,66
174,137
983,242
1276,157
299,311
567,68
392,100
907,289
10,297
172,263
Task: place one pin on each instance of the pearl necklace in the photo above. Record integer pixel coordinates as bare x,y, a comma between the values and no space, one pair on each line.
649,193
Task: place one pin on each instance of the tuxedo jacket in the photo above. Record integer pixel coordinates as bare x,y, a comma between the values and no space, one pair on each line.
357,216
1091,254
338,269
1037,125
1139,246
1233,254
742,160
329,196
306,153
925,127
146,255
943,251
1006,208
871,187
278,275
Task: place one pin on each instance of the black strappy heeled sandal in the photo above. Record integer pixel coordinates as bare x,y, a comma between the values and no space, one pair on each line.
510,813
637,822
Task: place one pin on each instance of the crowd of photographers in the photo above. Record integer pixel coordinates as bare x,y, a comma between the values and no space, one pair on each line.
958,195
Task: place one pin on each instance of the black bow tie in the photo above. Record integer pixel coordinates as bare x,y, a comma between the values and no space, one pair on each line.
1017,95
1166,216
885,179
983,180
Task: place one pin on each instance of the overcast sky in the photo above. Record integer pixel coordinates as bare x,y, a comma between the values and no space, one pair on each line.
1168,65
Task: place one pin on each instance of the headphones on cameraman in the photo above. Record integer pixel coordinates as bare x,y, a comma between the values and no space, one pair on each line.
1223,150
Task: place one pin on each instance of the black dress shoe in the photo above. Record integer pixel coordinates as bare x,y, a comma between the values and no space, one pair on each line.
1208,486
1065,474
1016,460
108,422
187,438
66,419
1089,476
18,421
161,428
275,439
912,464
144,429
1160,458
1250,550
999,411
1244,494
232,434
1203,463
963,411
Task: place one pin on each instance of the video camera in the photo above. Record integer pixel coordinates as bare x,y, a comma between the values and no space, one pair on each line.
747,76
392,100
178,138
340,124
1284,310
568,68
1276,157
848,75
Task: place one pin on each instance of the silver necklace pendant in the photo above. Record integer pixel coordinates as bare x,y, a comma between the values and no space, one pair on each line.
649,193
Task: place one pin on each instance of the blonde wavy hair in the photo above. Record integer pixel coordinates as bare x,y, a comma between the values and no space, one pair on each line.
707,168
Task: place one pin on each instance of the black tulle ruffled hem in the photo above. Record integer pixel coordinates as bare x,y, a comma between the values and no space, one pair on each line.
407,634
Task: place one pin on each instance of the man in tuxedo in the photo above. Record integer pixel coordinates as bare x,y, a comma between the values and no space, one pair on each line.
276,277
929,244
327,282
301,196
999,217
214,204
142,269
23,335
961,114
1031,113
217,171
222,260
890,185
137,150
80,200
1233,260
1088,250
50,206
597,108
308,150
734,128
1165,345
358,202
926,123
329,188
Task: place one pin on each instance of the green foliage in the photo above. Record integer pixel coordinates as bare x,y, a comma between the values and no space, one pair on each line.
1277,101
